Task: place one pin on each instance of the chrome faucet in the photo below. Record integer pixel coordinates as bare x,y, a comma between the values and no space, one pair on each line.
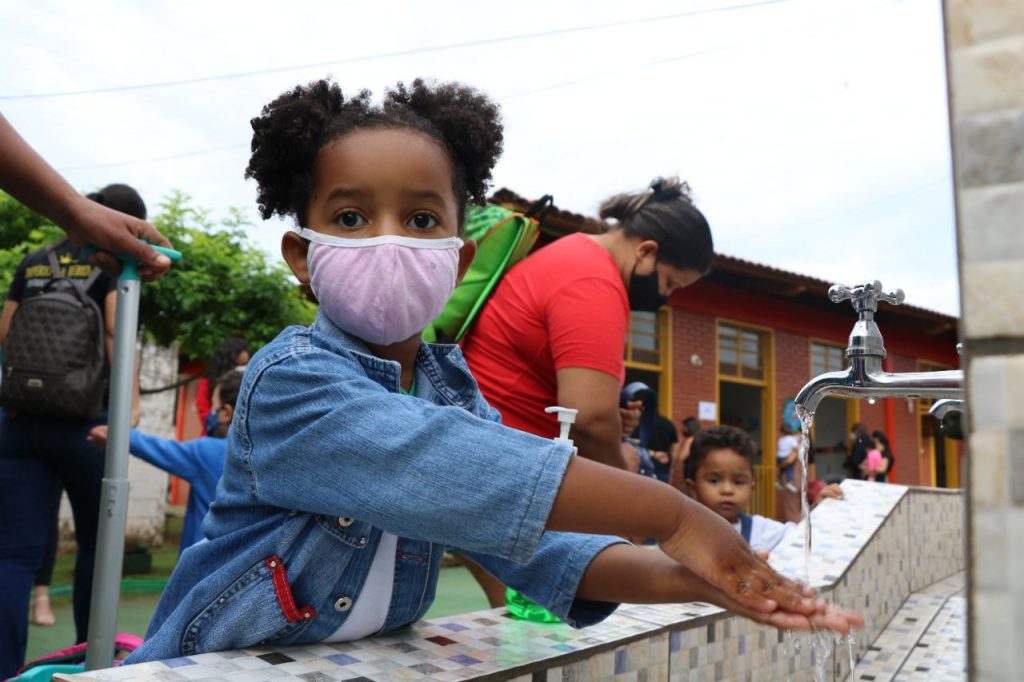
865,377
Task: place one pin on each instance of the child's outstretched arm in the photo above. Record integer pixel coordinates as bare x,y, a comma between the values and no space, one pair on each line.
709,560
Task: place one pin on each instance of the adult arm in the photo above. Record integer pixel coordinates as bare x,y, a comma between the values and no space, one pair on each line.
32,181
598,428
586,325
5,319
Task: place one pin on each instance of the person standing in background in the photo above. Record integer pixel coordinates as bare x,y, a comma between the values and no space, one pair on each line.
34,448
231,353
553,332
890,460
663,446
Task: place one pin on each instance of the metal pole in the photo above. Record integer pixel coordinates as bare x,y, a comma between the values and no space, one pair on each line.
106,582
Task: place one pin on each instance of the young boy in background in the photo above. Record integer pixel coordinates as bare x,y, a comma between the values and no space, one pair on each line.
720,475
199,461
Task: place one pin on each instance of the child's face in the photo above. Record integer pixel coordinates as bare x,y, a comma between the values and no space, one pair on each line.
724,482
380,181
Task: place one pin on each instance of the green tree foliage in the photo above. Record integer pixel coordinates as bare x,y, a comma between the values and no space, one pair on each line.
21,232
224,286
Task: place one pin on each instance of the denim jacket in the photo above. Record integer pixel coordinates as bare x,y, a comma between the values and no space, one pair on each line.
324,454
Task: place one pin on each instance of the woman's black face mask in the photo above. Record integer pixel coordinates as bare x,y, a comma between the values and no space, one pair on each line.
644,294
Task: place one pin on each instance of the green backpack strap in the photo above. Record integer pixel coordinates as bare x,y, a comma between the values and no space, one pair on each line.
503,238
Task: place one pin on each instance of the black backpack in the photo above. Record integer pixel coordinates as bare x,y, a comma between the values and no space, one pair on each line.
54,353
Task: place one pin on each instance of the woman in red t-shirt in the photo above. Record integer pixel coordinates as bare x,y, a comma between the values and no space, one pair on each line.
553,332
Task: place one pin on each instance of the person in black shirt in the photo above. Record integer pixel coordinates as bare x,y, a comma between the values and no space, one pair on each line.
36,449
858,451
662,445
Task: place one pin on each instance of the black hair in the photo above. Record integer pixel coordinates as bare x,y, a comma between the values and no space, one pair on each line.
691,426
290,132
719,438
665,214
230,382
881,438
120,198
786,429
225,358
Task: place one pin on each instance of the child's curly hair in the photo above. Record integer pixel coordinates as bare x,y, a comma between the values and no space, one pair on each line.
290,132
719,438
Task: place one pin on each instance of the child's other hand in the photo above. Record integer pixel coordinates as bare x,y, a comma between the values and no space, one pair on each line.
832,491
98,436
707,545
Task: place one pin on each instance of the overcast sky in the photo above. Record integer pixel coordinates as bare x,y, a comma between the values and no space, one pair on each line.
814,132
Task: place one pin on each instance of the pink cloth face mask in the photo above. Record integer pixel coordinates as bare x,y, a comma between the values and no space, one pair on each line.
382,289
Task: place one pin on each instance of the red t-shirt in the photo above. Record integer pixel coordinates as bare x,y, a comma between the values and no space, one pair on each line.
563,306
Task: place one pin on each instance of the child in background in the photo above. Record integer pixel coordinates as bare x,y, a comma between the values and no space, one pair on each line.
231,353
720,475
200,461
873,463
359,453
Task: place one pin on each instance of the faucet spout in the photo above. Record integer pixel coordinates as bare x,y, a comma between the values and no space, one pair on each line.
863,383
943,407
865,377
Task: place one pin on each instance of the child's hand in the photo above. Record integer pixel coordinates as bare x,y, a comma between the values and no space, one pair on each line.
98,436
824,617
832,490
709,547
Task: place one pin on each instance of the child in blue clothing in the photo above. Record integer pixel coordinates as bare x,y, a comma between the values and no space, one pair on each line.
199,461
720,475
358,453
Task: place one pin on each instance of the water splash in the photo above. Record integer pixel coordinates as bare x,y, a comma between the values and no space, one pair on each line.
806,422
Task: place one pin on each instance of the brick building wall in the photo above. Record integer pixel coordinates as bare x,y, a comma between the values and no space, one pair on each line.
693,335
793,328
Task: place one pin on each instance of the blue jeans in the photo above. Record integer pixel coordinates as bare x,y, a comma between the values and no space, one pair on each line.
23,533
32,451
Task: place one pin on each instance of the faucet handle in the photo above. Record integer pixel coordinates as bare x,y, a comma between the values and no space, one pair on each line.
865,297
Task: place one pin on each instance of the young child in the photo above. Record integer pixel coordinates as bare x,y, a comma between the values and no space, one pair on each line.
199,461
359,453
720,475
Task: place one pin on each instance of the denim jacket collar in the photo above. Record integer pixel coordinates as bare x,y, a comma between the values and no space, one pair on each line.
442,365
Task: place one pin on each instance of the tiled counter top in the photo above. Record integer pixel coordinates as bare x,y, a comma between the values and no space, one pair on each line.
866,555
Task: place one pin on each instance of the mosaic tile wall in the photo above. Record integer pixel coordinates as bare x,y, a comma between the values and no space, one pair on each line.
864,556
938,518
924,641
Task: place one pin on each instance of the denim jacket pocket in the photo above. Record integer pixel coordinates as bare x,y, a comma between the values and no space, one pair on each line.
350,531
261,598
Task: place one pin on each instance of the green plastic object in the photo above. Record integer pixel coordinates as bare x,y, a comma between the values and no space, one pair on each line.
503,238
130,267
45,673
524,608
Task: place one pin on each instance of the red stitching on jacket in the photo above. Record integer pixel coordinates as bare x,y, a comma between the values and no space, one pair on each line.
283,591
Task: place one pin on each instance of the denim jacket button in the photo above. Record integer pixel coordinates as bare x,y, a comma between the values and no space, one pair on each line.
343,604
346,521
